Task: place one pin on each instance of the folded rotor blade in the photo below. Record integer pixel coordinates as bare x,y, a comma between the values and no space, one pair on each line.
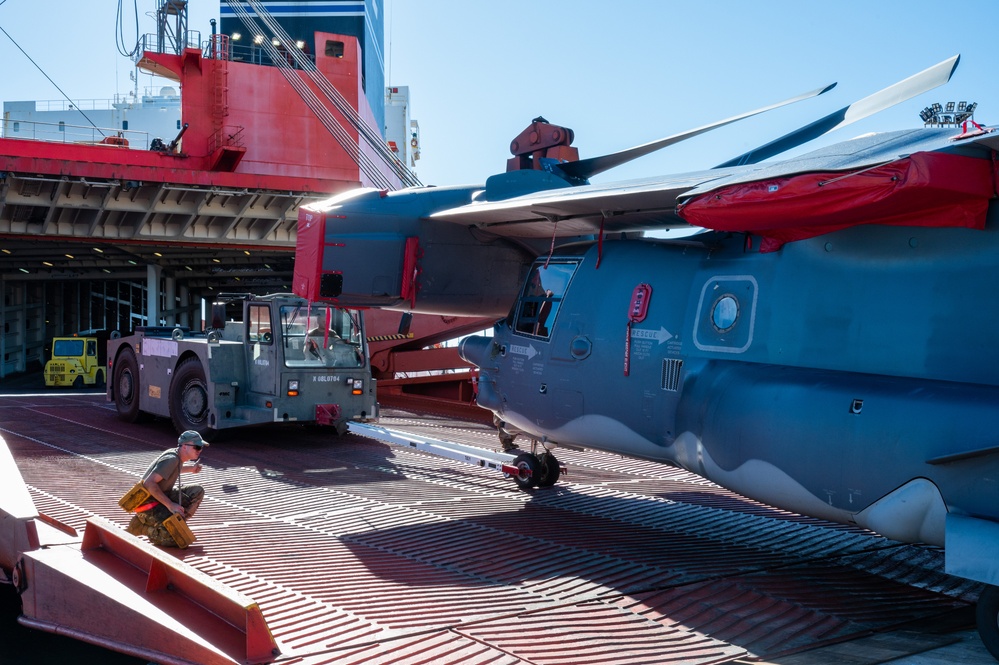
585,168
917,84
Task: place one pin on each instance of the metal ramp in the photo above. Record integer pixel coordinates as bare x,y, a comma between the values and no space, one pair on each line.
362,552
117,591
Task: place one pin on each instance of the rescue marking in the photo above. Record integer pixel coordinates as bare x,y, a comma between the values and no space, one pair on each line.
662,335
520,350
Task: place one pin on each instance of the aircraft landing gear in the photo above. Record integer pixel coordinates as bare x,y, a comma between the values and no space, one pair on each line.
541,470
550,470
506,436
530,470
987,615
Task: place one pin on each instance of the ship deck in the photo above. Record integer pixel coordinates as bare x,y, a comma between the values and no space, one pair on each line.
361,552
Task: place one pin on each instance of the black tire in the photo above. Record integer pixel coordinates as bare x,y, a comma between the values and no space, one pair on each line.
550,470
78,383
126,387
189,398
527,462
99,382
987,615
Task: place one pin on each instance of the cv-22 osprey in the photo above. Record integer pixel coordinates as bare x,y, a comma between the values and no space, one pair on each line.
826,343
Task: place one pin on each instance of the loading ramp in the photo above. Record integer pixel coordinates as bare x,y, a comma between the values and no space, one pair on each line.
357,551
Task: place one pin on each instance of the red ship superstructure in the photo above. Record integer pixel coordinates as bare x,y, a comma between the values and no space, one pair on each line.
135,232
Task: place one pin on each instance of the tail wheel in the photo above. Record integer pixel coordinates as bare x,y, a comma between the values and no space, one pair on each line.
530,471
550,470
126,386
189,398
987,615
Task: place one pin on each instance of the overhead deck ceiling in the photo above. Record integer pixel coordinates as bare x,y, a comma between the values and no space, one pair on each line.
61,227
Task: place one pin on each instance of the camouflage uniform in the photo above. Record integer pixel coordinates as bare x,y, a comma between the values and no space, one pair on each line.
149,522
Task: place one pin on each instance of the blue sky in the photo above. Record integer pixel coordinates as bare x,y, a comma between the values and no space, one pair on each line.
618,74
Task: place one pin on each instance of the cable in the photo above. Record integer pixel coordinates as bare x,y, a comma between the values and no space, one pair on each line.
373,138
346,142
119,30
302,62
50,80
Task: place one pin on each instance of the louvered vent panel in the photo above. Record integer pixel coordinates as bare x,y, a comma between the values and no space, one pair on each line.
671,374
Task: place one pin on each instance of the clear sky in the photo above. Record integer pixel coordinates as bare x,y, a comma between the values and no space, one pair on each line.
619,74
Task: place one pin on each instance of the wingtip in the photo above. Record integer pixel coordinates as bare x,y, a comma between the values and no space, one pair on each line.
957,60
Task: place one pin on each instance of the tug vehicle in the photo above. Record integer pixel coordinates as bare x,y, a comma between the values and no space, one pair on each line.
264,359
76,362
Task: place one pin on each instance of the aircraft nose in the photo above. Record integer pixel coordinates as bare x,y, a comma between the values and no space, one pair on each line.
476,349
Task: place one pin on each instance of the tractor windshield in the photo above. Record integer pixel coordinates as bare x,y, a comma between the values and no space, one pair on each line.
321,336
67,348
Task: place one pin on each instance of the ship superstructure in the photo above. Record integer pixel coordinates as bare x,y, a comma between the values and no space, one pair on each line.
127,224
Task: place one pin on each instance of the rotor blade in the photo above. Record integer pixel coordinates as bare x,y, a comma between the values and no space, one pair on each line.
585,168
917,84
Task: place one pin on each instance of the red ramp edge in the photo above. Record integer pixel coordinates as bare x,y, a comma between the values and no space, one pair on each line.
121,593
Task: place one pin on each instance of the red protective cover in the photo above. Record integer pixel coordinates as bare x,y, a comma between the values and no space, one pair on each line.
924,189
308,253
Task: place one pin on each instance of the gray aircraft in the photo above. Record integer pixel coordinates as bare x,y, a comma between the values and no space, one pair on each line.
825,342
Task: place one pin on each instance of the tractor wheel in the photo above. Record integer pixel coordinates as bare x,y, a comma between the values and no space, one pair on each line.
126,387
189,398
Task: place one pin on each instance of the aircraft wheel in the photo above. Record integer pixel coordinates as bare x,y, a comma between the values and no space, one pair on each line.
126,387
530,467
987,615
550,470
189,398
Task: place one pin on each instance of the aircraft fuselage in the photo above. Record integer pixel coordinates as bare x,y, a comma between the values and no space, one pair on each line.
851,376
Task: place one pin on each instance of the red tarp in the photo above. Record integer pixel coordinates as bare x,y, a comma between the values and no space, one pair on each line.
924,189
309,245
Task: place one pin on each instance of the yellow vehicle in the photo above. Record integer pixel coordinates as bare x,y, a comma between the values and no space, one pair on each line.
77,362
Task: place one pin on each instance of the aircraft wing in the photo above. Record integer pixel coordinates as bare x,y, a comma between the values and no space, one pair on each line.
650,204
631,205
861,153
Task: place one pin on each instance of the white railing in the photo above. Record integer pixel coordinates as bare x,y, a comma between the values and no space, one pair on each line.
63,133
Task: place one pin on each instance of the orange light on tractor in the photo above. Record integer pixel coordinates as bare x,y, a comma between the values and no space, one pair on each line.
293,388
357,387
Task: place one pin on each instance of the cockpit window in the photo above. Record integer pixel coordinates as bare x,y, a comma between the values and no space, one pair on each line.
542,296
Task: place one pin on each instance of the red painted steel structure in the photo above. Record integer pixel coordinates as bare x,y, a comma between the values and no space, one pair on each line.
246,129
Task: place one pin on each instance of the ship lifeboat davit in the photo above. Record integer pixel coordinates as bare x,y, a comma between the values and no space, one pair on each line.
922,189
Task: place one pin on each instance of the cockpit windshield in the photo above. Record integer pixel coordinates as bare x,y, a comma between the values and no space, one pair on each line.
542,296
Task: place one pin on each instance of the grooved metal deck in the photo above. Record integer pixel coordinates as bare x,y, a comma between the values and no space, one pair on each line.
359,552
